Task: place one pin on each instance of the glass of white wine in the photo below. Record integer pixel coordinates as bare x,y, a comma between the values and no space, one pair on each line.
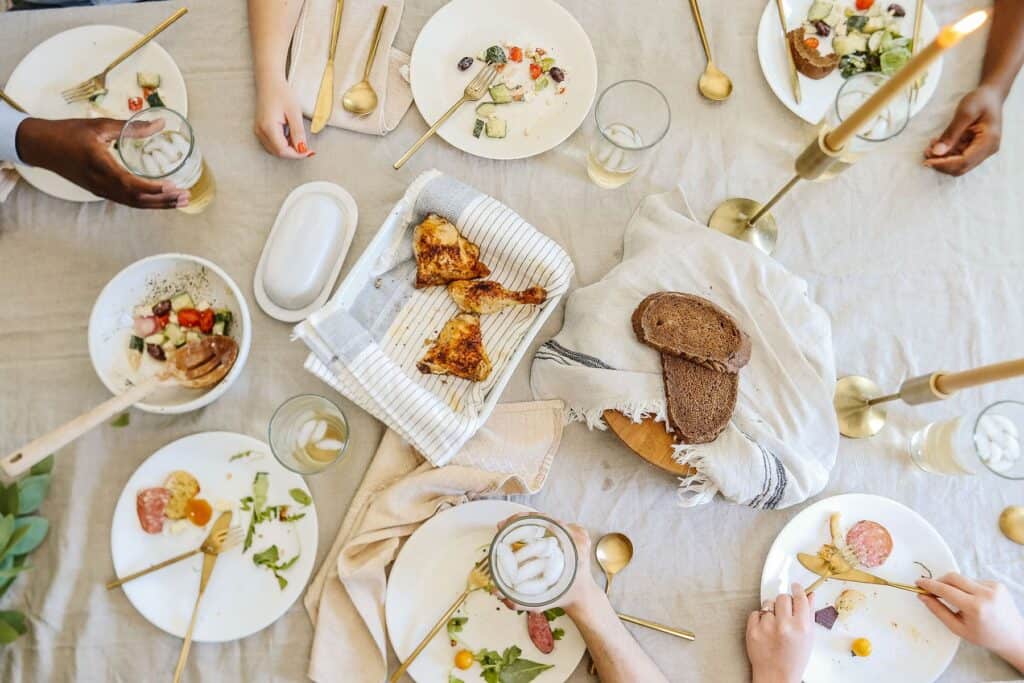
632,117
308,434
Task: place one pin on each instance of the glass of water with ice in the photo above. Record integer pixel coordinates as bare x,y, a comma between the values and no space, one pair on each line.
533,561
308,434
170,153
985,439
632,117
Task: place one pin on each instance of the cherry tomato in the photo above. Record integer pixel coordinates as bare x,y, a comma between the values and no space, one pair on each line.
135,103
516,54
861,647
188,317
463,659
198,511
206,321
811,43
864,4
535,71
161,321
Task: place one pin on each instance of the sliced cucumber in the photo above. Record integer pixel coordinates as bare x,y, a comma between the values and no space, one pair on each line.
478,128
500,93
157,339
136,343
192,337
541,83
819,10
218,328
174,334
496,127
486,109
183,300
546,64
224,317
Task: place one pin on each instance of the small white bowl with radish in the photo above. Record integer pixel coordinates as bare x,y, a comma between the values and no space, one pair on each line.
155,306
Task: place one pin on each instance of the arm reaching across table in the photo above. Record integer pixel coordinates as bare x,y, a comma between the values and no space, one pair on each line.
976,129
278,124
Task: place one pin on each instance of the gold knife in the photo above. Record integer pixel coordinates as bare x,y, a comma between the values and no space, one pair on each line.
223,522
913,50
794,76
325,96
817,565
9,100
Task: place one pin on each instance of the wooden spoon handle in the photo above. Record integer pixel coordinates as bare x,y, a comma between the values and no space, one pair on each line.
21,461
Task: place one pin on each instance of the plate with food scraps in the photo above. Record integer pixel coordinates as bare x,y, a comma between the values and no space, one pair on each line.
894,634
148,77
154,307
864,35
430,573
178,493
545,87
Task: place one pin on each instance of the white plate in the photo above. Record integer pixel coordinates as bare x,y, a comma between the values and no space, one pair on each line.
350,217
68,58
909,645
463,28
241,597
430,573
818,96
110,326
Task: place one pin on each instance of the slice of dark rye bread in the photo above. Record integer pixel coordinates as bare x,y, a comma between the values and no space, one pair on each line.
693,328
700,400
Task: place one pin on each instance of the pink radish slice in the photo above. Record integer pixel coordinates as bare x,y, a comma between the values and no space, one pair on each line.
144,326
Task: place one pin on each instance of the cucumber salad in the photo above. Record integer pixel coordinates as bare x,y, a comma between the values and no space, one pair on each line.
866,35
524,75
160,328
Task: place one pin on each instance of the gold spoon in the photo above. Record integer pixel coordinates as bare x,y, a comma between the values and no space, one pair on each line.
713,83
361,99
1011,523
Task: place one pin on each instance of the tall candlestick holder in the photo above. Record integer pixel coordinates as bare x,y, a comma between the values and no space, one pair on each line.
858,401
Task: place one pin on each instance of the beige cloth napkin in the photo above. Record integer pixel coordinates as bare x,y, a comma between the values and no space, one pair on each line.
512,453
310,46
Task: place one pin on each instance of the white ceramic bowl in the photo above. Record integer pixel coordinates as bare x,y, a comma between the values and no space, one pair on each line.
110,325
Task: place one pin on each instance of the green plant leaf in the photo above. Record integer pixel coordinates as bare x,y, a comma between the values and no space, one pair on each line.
522,671
31,492
19,533
5,566
8,634
13,571
6,529
9,499
122,420
15,620
300,496
43,466
36,528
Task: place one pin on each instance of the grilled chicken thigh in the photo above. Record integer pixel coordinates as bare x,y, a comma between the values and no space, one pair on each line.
488,296
458,350
443,255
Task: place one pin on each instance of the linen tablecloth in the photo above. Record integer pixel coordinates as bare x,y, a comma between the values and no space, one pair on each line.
918,271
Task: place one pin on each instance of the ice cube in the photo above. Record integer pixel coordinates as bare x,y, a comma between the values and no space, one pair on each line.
507,563
533,569
541,547
149,165
329,445
553,567
321,429
524,533
305,433
535,587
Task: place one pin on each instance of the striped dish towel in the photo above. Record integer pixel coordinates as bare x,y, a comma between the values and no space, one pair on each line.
366,341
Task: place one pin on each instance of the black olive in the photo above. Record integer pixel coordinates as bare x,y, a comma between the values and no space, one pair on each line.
822,28
156,351
897,10
162,308
557,75
465,63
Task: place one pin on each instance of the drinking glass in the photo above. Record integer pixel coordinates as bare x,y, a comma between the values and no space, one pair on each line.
632,117
990,437
171,154
889,123
308,434
534,527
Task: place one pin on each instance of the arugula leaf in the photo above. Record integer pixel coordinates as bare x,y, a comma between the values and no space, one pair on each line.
122,420
238,456
508,667
453,679
260,484
269,558
300,496
554,613
522,671
558,633
455,625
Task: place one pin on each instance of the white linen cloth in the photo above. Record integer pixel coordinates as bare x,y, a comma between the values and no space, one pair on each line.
510,454
781,442
367,347
311,44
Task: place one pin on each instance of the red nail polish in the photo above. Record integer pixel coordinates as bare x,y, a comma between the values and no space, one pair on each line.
302,149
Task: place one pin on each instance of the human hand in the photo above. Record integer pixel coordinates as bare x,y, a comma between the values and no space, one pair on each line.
972,136
277,109
985,614
79,150
780,636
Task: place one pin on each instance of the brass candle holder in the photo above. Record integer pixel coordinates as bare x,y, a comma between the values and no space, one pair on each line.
858,400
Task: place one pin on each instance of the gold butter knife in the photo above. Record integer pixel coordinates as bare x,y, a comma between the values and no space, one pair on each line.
817,565
325,96
209,560
913,50
794,76
9,100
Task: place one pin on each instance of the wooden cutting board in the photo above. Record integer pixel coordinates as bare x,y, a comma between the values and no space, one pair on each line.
649,440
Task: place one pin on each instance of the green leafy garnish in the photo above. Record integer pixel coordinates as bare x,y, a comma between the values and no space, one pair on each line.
300,496
260,484
508,667
558,633
495,54
122,420
554,613
455,625
453,679
238,456
269,558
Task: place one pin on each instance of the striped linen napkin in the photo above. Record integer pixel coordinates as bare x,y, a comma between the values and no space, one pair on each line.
366,341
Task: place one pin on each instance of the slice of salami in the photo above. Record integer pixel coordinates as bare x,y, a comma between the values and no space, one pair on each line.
870,542
540,631
150,505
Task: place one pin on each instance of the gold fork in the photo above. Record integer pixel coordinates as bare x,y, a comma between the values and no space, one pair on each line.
9,100
474,91
479,579
97,85
216,543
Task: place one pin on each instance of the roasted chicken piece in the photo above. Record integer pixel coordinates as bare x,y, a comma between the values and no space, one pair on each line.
488,296
443,255
458,350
